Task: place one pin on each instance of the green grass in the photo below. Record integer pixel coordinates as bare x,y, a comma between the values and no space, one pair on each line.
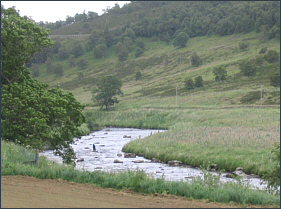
231,138
209,188
164,67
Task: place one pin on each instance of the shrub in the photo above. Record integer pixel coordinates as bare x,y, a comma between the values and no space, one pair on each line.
243,46
195,60
271,56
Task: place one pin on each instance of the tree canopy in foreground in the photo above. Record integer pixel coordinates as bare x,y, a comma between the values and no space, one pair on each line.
32,113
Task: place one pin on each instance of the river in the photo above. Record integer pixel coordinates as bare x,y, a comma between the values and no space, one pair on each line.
109,143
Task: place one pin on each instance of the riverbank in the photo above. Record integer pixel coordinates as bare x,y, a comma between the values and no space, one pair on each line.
13,156
231,138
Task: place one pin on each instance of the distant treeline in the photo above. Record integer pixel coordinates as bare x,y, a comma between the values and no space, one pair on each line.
165,20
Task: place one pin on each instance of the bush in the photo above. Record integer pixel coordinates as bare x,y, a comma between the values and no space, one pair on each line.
195,60
189,84
273,177
271,56
263,50
58,69
243,46
248,68
198,82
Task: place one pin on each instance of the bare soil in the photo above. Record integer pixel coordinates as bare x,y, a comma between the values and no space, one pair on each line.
29,192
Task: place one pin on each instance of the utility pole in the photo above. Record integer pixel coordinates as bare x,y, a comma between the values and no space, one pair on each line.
261,94
177,96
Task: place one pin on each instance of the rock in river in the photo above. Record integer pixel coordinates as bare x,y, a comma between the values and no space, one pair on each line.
129,155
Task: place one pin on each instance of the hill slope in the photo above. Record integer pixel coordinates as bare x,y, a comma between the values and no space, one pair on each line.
164,67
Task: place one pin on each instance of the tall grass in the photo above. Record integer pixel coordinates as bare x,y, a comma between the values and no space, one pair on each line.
209,188
230,138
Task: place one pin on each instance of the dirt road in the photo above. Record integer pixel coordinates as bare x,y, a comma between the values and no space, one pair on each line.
29,192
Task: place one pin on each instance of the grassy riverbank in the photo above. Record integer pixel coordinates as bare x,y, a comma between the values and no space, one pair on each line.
230,138
13,156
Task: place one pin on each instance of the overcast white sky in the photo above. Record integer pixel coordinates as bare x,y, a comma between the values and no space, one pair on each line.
53,11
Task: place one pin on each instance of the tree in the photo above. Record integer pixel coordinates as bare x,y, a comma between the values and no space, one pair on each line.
243,46
248,68
49,66
263,50
220,74
198,82
139,52
58,69
77,50
139,43
138,75
123,54
107,89
63,53
271,56
275,80
181,40
16,47
71,61
259,60
82,64
189,84
32,113
195,60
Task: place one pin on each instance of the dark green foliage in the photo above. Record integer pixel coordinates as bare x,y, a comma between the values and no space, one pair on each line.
251,97
248,68
138,75
139,52
71,61
63,53
32,113
77,50
107,89
263,50
123,53
82,64
16,48
90,121
34,70
220,74
189,84
166,38
128,43
272,56
243,46
273,177
100,50
130,34
198,82
139,43
49,66
196,60
259,60
181,40
58,69
275,80
80,75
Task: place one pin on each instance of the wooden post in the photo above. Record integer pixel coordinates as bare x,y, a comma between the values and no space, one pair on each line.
37,158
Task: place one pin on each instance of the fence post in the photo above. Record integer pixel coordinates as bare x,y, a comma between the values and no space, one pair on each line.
37,158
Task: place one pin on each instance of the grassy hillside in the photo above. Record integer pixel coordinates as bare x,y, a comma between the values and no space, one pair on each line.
164,67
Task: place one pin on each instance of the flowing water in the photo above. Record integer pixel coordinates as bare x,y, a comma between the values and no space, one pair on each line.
109,143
